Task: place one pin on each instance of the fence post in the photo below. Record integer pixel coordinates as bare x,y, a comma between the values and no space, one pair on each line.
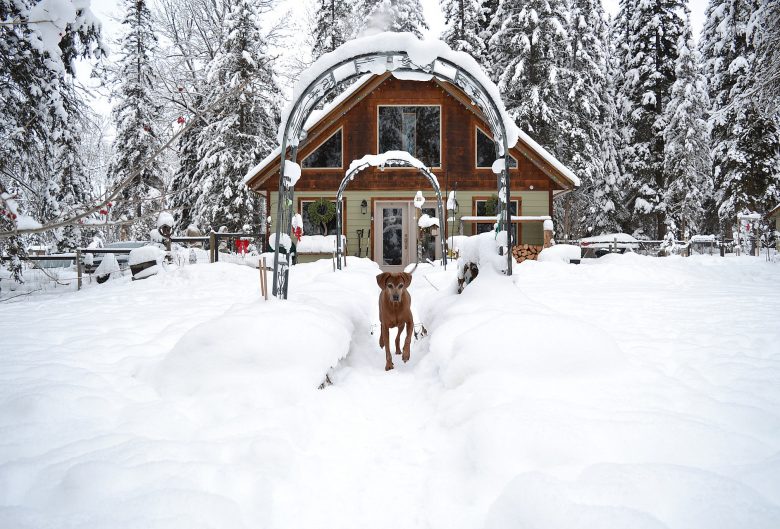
212,246
78,268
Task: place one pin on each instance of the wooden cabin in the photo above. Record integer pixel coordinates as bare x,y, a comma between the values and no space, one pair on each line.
435,122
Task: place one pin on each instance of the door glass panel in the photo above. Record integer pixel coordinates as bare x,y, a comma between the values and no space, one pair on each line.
428,241
392,236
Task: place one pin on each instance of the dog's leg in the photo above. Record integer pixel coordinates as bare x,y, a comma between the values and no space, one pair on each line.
410,326
398,338
386,339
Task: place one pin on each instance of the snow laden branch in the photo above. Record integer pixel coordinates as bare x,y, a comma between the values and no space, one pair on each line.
110,196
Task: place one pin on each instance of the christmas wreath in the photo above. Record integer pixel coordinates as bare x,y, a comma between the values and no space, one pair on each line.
321,212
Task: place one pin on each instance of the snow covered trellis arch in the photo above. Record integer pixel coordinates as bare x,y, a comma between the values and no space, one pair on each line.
377,54
388,159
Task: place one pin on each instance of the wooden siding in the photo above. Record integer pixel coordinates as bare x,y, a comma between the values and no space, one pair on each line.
457,150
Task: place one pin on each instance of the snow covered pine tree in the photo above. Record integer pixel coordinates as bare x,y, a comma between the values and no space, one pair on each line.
687,159
241,128
745,139
136,115
38,44
652,29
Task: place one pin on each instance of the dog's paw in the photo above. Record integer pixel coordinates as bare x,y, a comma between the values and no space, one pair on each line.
398,351
405,356
388,367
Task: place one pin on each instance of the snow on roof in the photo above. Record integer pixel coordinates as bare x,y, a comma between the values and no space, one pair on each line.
387,159
421,53
549,158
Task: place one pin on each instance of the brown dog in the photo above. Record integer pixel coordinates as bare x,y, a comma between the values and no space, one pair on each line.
395,310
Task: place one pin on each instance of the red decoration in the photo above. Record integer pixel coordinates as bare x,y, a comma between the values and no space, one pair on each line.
180,121
110,204
103,212
242,246
298,231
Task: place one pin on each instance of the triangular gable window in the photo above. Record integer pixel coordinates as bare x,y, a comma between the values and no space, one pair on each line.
486,151
327,155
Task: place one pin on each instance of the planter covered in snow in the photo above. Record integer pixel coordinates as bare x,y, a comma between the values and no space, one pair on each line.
145,261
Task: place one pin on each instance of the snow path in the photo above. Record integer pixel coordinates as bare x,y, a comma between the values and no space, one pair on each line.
624,392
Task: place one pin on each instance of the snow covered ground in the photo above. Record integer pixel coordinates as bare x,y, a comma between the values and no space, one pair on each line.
626,392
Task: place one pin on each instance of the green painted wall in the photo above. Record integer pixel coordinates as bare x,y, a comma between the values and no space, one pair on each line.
533,203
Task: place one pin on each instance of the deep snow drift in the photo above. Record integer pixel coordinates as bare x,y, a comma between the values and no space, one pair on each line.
627,392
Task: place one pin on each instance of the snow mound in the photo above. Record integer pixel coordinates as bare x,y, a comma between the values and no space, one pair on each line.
145,254
165,219
108,265
563,253
319,244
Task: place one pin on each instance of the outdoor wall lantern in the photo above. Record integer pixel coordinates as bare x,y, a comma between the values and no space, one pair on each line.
364,207
434,230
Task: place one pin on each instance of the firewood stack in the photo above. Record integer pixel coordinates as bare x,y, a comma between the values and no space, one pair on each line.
521,252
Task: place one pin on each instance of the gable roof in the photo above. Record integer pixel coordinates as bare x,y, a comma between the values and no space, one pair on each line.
319,120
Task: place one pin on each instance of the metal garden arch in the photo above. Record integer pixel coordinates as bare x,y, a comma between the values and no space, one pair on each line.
392,162
356,64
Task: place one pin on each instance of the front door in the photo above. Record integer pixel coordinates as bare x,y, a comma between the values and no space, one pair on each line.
392,235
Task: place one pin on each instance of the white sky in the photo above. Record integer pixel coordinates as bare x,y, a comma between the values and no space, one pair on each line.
109,11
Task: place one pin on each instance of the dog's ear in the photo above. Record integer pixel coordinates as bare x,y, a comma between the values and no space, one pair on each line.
407,278
381,279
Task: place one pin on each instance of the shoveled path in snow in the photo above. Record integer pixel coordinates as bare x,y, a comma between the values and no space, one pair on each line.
376,441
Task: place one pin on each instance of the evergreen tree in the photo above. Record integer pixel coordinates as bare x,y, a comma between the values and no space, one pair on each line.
391,15
745,138
485,17
185,190
241,128
463,26
765,36
136,115
686,151
38,46
529,59
591,145
652,29
331,26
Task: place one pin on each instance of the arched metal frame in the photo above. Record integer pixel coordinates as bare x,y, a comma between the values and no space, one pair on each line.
360,64
390,162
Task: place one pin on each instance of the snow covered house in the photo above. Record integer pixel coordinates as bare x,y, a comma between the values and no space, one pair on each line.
435,122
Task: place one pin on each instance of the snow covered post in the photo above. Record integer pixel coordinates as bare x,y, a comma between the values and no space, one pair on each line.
548,232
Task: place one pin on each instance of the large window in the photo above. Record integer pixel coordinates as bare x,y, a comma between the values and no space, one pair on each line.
486,151
309,227
414,129
487,208
327,155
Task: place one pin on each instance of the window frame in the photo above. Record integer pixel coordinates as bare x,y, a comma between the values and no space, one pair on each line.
307,200
477,130
518,225
320,144
441,126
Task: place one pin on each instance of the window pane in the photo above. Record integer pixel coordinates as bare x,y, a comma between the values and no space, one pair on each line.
481,208
326,155
411,129
309,228
486,151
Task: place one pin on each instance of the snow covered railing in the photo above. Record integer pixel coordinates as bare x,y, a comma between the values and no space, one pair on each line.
515,218
310,244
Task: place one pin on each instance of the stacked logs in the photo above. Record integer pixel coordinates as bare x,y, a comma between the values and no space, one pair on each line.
521,252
